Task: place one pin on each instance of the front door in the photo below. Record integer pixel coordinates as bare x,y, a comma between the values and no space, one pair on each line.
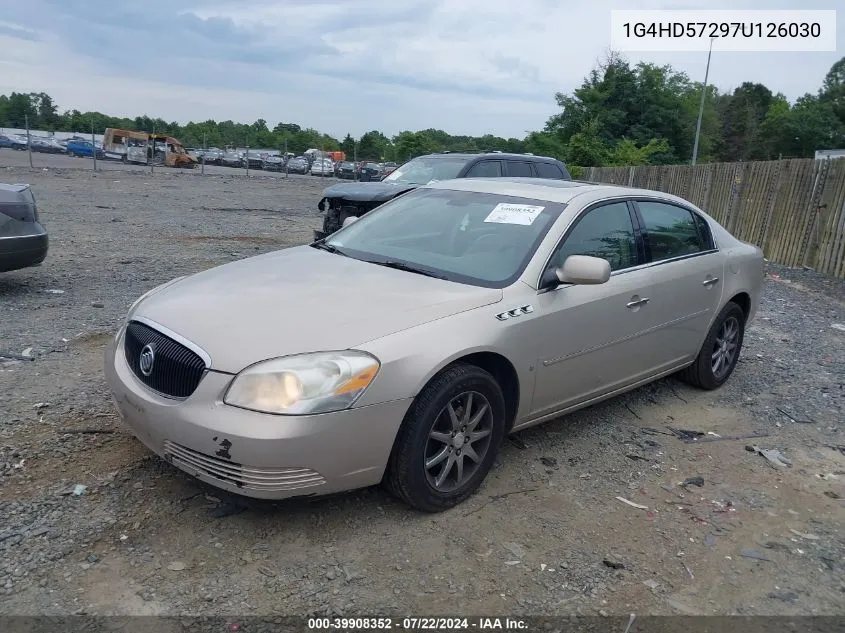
594,338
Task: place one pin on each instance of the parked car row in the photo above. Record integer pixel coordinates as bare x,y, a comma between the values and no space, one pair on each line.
76,146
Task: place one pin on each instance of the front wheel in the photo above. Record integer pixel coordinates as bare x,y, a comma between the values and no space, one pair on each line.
448,440
720,352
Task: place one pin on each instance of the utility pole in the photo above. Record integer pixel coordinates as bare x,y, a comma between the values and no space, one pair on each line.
701,105
152,156
28,139
93,145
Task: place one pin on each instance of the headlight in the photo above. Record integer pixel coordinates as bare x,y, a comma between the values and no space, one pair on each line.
305,384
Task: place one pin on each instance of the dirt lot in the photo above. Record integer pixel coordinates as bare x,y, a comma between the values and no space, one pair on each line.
546,534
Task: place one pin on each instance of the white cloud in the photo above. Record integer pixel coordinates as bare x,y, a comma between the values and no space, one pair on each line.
466,66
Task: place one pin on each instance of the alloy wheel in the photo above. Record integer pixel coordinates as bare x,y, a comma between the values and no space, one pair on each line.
458,441
725,348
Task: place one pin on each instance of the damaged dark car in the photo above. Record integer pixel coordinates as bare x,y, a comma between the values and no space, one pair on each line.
345,200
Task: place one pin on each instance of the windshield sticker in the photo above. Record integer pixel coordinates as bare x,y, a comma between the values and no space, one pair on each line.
524,214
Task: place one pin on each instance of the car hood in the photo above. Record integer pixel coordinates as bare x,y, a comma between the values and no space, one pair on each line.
368,191
300,300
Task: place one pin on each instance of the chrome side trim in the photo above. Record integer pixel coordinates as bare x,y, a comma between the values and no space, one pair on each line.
526,309
176,337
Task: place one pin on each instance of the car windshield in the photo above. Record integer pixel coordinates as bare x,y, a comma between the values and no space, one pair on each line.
420,171
481,239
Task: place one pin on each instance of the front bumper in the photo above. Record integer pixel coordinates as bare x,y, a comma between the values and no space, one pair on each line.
255,454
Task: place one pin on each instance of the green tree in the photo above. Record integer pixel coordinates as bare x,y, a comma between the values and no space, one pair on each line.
742,113
347,146
833,89
373,145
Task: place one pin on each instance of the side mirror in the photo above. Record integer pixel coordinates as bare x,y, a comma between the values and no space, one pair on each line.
349,220
583,270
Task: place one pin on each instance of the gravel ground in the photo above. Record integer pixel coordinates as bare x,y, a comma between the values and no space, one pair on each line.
545,534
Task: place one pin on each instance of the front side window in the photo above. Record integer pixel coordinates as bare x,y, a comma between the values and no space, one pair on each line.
423,170
606,232
669,231
475,238
485,169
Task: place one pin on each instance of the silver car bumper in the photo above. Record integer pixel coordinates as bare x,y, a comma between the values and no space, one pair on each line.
254,454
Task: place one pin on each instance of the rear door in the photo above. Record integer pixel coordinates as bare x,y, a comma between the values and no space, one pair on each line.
518,168
686,272
549,170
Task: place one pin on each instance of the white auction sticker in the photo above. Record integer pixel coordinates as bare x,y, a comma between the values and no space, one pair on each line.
727,30
524,214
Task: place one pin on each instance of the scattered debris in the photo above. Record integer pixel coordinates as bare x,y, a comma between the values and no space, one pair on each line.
176,566
650,431
631,503
637,457
689,571
549,462
13,356
502,496
832,495
27,352
651,583
79,490
774,456
613,564
836,447
794,418
693,481
54,291
511,563
754,554
41,405
98,304
685,434
838,326
267,571
518,442
631,619
515,548
85,430
725,438
783,596
809,537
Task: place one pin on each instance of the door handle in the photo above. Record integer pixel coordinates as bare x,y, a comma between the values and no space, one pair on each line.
638,302
709,282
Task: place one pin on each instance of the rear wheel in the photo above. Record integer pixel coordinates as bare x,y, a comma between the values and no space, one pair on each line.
720,352
448,440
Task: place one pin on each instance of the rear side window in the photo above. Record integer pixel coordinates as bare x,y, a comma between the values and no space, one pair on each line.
704,232
670,231
520,168
549,170
485,169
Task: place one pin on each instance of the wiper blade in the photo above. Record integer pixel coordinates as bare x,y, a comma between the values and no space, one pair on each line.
407,268
329,248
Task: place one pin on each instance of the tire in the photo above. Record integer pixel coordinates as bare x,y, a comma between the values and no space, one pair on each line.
407,477
701,373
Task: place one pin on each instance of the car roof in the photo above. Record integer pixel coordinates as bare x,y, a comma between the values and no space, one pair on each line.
544,189
480,155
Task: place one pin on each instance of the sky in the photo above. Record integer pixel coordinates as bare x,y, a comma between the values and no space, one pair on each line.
346,66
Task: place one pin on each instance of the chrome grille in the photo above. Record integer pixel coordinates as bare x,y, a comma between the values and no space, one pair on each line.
176,370
246,477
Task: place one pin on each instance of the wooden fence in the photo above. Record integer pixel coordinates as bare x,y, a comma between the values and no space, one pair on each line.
793,209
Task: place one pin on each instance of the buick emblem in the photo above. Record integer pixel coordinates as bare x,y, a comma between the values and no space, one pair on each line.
146,360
